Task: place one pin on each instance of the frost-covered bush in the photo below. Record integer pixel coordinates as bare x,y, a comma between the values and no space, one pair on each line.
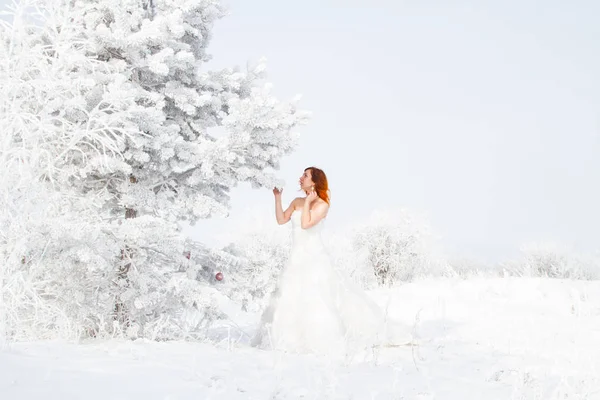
260,251
553,260
349,260
396,246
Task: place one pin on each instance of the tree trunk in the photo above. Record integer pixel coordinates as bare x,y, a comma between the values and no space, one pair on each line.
121,314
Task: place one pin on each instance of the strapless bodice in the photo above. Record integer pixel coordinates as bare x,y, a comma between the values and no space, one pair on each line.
299,233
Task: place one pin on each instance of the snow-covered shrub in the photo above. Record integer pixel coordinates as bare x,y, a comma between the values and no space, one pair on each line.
553,260
395,246
261,251
350,260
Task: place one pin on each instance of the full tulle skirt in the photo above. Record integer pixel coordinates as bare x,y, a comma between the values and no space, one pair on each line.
315,309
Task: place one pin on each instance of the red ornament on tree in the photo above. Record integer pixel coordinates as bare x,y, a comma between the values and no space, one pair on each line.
219,276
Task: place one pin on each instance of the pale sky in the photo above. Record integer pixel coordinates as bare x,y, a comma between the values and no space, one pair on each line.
483,114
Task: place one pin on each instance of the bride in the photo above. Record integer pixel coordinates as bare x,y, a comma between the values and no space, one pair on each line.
315,309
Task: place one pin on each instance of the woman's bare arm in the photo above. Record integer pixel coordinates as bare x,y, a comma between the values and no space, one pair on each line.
281,215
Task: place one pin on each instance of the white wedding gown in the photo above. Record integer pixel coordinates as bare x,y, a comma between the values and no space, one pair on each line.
316,310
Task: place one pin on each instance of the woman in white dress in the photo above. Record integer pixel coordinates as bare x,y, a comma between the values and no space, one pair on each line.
315,309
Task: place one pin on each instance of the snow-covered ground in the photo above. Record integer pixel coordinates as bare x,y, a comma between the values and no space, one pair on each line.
479,339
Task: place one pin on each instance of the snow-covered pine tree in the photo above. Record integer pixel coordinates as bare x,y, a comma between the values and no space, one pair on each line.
56,247
139,125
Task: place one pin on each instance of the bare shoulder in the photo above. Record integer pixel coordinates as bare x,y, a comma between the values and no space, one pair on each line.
298,202
321,206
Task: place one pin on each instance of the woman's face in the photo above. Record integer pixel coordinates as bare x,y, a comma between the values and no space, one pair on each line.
306,182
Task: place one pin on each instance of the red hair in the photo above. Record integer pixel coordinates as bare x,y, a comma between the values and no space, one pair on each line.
320,180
